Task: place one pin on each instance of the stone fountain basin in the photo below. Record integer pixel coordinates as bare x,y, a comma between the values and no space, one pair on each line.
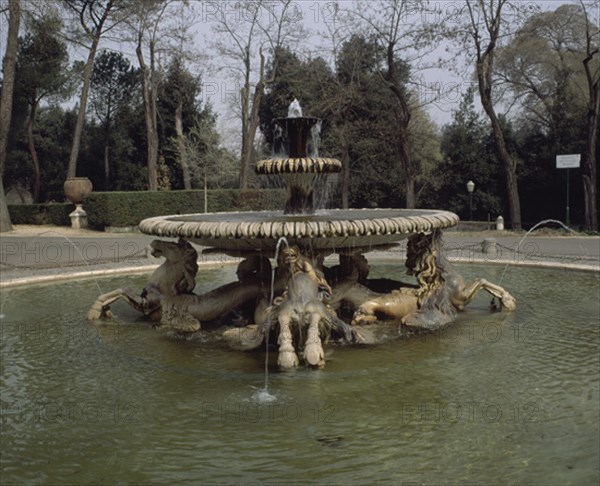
332,230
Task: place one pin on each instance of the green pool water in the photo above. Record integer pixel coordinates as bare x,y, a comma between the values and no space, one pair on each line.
495,398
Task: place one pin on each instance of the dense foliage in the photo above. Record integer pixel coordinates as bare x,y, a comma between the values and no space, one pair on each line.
129,208
47,213
542,93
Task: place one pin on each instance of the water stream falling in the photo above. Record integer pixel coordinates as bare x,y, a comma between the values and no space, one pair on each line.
537,225
263,395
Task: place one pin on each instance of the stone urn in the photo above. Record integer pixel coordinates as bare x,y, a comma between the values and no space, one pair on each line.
76,188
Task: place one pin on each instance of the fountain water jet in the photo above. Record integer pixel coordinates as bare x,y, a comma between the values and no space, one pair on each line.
308,296
536,226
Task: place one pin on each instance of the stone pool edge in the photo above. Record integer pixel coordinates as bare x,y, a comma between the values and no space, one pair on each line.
132,270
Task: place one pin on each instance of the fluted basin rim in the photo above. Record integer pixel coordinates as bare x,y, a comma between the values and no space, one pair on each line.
324,229
300,165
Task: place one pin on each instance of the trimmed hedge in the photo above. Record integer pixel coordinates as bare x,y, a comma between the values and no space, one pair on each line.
123,209
48,213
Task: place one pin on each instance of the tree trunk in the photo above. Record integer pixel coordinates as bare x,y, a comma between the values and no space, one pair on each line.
508,164
185,170
106,166
252,126
8,81
205,190
244,163
85,90
8,69
5,223
246,141
590,175
407,166
33,153
345,173
149,118
403,116
245,100
484,68
590,161
250,120
248,136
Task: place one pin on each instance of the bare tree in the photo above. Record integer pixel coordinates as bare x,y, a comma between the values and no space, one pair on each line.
199,150
541,66
590,162
184,80
42,72
113,82
95,18
8,70
8,79
185,168
551,66
244,34
485,30
336,33
146,25
402,30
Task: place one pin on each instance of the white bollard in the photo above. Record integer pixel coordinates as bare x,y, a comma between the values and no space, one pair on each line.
489,246
78,218
499,223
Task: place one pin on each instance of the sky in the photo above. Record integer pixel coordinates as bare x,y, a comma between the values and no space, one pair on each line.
439,91
316,16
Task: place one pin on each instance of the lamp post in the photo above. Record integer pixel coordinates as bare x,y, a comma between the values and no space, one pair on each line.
470,189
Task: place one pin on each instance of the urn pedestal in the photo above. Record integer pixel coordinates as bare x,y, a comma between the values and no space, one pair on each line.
76,189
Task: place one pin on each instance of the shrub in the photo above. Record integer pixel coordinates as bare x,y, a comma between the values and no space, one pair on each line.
48,213
129,208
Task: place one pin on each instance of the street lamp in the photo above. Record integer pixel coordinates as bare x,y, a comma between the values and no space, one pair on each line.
470,189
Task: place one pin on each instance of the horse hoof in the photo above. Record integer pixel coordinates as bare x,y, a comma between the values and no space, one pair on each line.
314,355
98,312
508,302
287,360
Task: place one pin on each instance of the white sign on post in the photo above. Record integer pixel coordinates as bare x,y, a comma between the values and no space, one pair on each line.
568,161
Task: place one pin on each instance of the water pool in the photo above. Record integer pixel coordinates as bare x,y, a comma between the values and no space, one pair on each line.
500,398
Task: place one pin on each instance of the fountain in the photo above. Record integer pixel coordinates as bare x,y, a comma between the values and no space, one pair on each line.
308,300
510,395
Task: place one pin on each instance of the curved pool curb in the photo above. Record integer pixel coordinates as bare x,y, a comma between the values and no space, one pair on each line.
133,270
509,262
129,270
542,264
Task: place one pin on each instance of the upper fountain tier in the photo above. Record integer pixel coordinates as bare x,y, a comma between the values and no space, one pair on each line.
297,160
